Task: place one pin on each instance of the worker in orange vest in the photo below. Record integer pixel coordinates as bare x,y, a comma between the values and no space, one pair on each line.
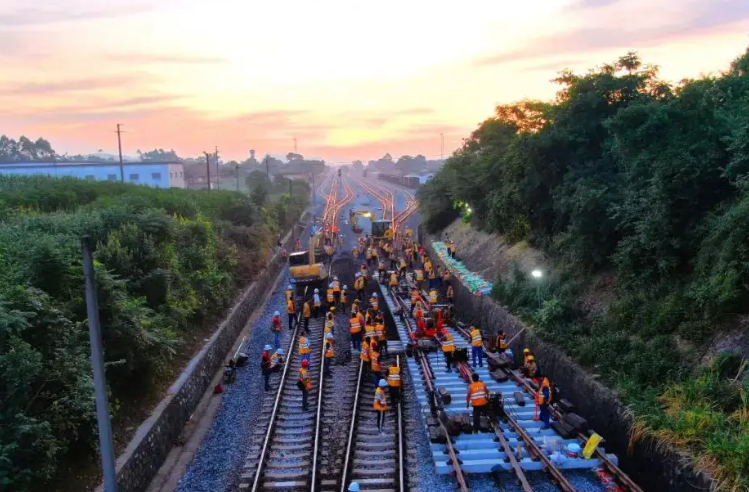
329,354
478,397
381,334
380,404
343,298
355,332
394,384
448,348
364,355
306,314
304,348
291,311
304,383
477,347
543,400
374,358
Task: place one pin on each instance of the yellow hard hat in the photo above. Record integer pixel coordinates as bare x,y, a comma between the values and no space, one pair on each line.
531,358
527,351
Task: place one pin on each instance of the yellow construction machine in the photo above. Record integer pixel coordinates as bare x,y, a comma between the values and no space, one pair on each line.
304,267
381,229
353,214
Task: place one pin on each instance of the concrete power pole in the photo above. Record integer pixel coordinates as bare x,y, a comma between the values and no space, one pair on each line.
208,168
218,172
119,146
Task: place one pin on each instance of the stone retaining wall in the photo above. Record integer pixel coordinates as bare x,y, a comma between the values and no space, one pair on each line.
654,470
153,440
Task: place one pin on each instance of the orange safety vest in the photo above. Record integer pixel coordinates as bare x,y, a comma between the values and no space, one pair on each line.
306,310
419,275
290,306
303,346
478,393
394,376
369,330
380,402
476,338
380,331
375,358
433,296
359,285
304,378
336,286
329,325
364,355
414,296
355,325
448,345
540,396
330,350
330,296
393,280
289,294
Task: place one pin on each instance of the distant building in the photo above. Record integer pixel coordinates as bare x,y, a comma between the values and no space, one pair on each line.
157,174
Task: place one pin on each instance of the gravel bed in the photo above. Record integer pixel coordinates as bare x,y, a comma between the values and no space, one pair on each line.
218,462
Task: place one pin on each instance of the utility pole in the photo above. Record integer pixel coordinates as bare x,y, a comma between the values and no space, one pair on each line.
267,166
119,146
313,187
97,361
218,172
237,170
208,168
442,146
291,195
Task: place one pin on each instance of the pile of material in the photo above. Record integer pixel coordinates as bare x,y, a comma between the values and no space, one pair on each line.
474,282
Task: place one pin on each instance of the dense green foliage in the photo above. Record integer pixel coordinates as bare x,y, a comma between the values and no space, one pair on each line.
167,263
626,178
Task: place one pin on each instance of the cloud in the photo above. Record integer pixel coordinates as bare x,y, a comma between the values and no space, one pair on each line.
30,16
166,59
624,35
72,85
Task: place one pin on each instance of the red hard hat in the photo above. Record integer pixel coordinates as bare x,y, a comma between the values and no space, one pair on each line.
305,363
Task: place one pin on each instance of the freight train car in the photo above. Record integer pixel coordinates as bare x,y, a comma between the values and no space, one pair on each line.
407,181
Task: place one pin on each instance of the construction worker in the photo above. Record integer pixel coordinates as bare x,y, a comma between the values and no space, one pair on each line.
543,400
329,353
291,311
355,332
329,322
402,265
369,327
450,294
304,383
433,296
477,347
277,360
393,279
530,369
419,311
393,259
355,306
359,286
277,328
304,348
306,314
478,396
364,355
500,341
316,303
419,277
432,278
381,334
289,293
526,354
374,303
380,404
343,298
448,348
374,359
265,364
368,255
394,384
382,273
330,295
336,289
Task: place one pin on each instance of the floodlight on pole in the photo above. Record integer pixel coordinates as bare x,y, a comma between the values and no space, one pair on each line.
537,273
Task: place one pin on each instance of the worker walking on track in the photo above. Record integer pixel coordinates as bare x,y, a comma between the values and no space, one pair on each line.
364,355
330,296
374,357
291,311
448,348
306,314
277,328
380,404
316,303
381,334
304,383
329,354
355,332
359,286
336,290
265,365
304,348
394,384
543,400
343,299
478,397
374,303
477,347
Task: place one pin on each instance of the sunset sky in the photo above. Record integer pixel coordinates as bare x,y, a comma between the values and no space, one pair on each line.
348,79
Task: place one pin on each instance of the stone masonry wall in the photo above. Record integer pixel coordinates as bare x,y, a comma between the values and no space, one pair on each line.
153,440
654,470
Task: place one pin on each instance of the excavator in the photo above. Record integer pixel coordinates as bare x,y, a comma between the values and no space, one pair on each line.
355,227
306,267
381,229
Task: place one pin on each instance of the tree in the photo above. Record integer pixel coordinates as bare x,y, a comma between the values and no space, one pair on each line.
357,166
291,156
25,150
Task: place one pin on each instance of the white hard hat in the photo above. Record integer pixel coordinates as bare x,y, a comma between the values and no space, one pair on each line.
374,295
279,351
276,313
330,285
268,347
335,278
383,383
345,287
317,290
288,288
354,487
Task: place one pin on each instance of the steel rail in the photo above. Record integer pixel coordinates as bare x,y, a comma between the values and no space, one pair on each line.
401,430
519,473
276,405
345,472
427,371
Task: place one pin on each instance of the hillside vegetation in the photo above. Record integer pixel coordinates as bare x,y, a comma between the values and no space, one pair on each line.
627,178
167,263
